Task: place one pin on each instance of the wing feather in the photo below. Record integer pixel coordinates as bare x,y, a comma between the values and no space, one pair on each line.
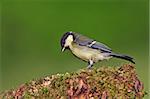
85,41
82,40
102,47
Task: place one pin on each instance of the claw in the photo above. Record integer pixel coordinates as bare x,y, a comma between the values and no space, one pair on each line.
90,64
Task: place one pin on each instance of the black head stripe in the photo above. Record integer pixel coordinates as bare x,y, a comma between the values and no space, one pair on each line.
64,37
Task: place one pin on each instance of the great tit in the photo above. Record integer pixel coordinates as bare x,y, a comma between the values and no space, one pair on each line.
88,49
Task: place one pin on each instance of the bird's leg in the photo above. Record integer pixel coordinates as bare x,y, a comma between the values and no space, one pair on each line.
90,64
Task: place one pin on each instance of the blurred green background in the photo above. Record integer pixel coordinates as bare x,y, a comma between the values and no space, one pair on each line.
31,32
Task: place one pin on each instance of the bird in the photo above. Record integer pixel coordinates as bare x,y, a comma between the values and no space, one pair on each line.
89,50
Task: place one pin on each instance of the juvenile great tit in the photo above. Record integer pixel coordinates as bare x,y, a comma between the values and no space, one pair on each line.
88,49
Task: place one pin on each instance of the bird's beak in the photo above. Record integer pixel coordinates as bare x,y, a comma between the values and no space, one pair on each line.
63,49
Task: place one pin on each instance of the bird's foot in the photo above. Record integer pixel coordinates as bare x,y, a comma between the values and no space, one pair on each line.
89,67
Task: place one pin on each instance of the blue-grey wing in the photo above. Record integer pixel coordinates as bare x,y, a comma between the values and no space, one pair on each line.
102,47
82,40
85,41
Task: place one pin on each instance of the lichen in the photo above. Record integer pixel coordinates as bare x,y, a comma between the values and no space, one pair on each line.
104,82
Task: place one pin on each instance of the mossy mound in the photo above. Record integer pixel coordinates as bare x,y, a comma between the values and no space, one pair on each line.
98,83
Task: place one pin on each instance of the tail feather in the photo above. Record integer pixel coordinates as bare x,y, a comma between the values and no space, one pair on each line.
128,58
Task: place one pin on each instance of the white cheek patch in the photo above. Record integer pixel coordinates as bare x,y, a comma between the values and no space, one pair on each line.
69,40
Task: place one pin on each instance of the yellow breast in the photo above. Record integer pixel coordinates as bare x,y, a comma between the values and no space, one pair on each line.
85,53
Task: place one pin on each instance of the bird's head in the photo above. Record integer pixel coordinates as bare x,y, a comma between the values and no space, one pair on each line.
66,40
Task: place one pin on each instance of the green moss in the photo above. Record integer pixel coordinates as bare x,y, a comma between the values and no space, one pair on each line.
45,91
97,83
27,96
